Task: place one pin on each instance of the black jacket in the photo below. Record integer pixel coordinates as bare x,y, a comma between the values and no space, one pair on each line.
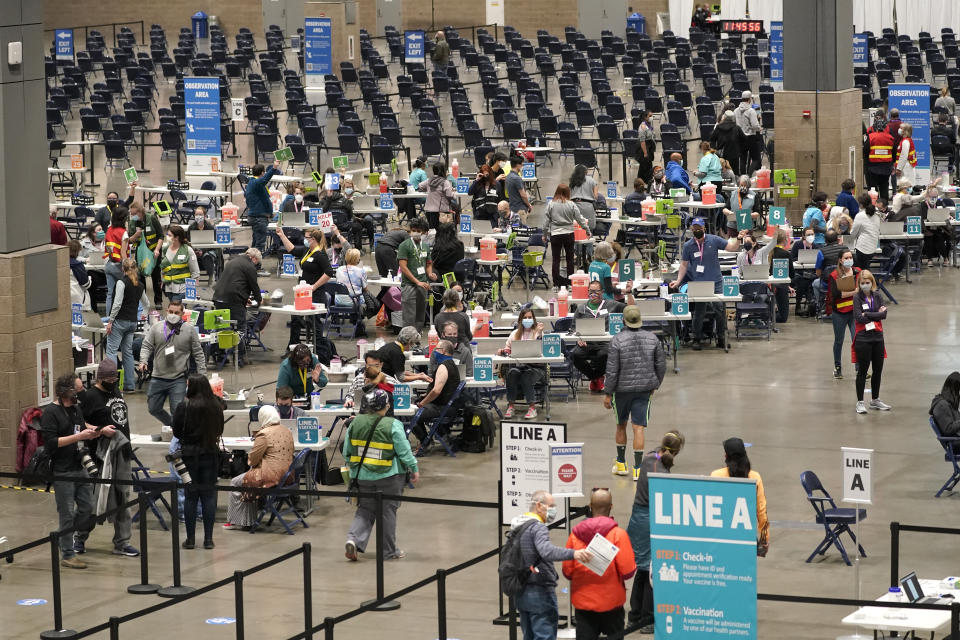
237,283
945,416
728,139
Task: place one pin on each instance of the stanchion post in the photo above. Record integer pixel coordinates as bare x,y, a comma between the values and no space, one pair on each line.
388,605
328,628
955,619
307,594
894,553
610,159
114,628
177,589
446,148
441,604
58,631
512,618
144,585
143,152
179,169
238,602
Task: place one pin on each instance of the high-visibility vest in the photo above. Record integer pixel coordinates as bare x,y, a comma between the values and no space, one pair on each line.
179,269
113,242
881,147
911,155
380,453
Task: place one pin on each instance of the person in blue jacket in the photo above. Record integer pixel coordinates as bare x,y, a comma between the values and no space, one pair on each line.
259,206
846,198
676,175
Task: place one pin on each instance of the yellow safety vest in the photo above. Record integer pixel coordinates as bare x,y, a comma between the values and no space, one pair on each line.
179,269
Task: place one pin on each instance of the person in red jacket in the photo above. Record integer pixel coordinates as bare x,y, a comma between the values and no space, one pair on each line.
598,600
58,233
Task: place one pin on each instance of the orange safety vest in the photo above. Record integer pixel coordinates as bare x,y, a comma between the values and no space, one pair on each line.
881,147
911,155
114,242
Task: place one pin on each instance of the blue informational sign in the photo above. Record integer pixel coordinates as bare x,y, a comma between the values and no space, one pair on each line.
731,286
314,216
781,268
202,103
776,53
466,223
386,200
611,189
913,101
222,234
483,368
463,186
376,239
551,345
703,556
861,52
63,39
413,46
317,49
956,213
528,171
914,228
308,430
191,289
401,396
679,304
76,315
331,181
289,266
615,323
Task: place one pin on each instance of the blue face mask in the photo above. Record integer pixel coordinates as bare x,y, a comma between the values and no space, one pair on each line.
527,323
440,357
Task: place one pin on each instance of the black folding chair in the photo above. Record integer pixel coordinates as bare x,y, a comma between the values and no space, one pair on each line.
835,521
949,454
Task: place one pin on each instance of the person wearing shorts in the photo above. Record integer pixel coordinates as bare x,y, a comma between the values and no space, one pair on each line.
635,368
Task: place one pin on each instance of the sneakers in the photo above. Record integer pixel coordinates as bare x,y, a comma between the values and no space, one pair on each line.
646,630
509,412
73,562
696,346
126,550
189,544
79,546
861,408
879,406
531,413
229,526
350,551
397,555
619,468
636,475
208,544
837,374
596,385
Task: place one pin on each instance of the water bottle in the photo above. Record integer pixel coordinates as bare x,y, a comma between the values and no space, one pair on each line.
315,402
664,291
390,274
894,594
474,347
539,142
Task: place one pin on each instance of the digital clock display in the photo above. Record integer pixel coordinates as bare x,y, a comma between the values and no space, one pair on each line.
742,26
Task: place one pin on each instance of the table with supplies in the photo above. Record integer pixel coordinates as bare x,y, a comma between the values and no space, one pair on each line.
906,620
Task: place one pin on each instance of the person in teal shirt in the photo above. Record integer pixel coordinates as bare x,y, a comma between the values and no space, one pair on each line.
301,372
709,169
382,465
601,268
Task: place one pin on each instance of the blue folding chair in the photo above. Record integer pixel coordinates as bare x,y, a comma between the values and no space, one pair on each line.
949,454
278,503
835,521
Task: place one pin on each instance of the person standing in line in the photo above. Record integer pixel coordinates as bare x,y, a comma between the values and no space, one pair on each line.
558,226
749,122
866,235
177,262
868,349
63,428
598,600
259,205
198,424
413,260
515,190
840,305
130,295
906,161
380,459
537,603
440,56
116,249
737,465
635,369
660,460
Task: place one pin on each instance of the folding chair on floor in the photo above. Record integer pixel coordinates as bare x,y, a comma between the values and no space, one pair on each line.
447,416
141,472
277,503
835,521
950,455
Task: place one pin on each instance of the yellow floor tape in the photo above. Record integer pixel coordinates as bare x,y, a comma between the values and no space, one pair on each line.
17,488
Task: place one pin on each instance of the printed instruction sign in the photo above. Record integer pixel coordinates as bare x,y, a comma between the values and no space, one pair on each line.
566,470
857,468
525,464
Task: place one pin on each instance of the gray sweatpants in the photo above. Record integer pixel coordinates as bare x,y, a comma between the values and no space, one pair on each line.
414,301
367,514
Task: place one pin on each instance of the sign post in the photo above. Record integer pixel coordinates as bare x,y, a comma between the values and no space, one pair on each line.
913,101
525,463
202,103
857,489
317,49
703,551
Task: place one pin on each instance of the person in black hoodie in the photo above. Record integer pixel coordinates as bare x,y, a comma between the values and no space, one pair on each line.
944,408
728,139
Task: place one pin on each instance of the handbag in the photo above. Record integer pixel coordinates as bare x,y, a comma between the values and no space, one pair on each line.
232,463
370,304
763,544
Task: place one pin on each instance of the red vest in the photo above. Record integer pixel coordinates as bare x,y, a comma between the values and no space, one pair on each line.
911,155
881,147
113,243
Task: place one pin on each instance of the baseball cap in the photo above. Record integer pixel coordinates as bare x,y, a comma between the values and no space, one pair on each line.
631,316
698,221
374,400
107,369
746,95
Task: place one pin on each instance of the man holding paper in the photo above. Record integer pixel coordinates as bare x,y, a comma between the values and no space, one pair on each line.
596,587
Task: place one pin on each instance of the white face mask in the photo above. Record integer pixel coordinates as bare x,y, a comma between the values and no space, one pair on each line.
306,241
415,237
865,287
809,239
551,513
847,264
173,318
298,197
199,219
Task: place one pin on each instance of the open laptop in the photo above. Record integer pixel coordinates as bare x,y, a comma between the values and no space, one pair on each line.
526,348
939,214
700,288
92,320
911,587
95,259
198,236
891,228
591,326
653,308
755,272
488,346
808,256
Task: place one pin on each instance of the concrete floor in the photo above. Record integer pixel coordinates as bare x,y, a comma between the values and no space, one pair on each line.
778,395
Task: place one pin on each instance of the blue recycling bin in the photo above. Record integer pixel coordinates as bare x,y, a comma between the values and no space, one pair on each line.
638,22
201,25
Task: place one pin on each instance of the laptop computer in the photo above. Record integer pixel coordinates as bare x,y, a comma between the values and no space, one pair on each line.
913,590
198,236
488,346
95,259
591,326
291,424
939,214
653,308
808,256
92,320
891,228
700,288
755,272
526,348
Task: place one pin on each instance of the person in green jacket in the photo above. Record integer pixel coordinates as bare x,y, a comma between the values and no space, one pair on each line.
301,372
382,465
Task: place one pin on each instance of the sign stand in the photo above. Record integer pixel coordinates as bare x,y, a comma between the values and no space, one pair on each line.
856,489
568,630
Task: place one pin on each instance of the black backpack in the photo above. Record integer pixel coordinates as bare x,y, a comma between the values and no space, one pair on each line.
514,573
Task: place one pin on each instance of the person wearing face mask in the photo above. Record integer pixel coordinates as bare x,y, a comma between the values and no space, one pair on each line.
537,603
129,295
462,353
259,205
832,250
866,235
116,248
601,269
340,207
177,262
284,404
63,429
301,371
144,226
79,279
906,157
904,203
446,252
558,225
294,202
372,364
660,460
869,312
700,261
813,216
523,378
315,270
105,214
842,286
92,242
590,358
445,382
413,260
846,198
206,259
658,185
803,279
452,313
171,344
840,222
752,252
740,199
238,287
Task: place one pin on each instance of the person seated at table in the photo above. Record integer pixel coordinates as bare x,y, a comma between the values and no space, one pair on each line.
742,198
452,312
904,204
206,258
506,219
659,187
804,278
590,358
446,252
394,360
92,242
445,383
751,251
462,353
840,221
945,408
371,370
333,201
632,202
676,175
363,223
601,270
269,459
351,273
523,378
284,404
294,202
337,247
301,371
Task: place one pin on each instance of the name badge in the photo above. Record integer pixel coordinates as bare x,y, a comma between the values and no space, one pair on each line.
421,270
865,307
698,254
700,268
310,259
169,351
870,326
603,312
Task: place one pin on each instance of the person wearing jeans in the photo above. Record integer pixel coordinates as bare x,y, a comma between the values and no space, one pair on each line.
868,315
130,293
559,220
259,205
841,307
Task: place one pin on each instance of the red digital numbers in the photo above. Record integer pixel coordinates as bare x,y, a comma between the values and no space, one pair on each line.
741,26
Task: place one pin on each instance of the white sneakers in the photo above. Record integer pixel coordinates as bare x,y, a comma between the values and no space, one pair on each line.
874,404
861,408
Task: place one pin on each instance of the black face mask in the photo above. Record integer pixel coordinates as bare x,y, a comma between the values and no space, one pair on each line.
111,202
698,233
748,246
109,387
284,411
